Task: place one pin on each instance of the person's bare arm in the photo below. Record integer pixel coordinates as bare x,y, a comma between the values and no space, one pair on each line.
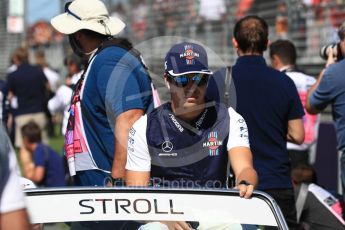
136,178
30,171
123,123
308,107
15,220
26,162
10,95
295,131
242,163
37,174
10,121
330,60
48,86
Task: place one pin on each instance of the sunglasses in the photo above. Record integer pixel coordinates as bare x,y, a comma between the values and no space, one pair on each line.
183,80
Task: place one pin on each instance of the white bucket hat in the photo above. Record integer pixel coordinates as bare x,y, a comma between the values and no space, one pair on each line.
87,14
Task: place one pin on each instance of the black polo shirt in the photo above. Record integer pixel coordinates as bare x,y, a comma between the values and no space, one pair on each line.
28,83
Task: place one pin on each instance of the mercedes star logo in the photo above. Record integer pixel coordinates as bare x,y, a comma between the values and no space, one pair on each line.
167,146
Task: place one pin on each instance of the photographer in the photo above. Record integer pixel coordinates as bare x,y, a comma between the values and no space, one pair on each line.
330,89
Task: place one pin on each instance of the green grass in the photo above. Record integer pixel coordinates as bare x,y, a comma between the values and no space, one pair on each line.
57,142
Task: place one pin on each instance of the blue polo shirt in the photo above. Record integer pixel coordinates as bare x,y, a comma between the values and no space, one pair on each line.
267,99
116,83
52,163
331,90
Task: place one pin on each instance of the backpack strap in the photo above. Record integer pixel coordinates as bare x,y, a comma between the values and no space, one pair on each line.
302,196
227,83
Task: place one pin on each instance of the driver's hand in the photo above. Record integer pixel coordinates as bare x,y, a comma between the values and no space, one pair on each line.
245,190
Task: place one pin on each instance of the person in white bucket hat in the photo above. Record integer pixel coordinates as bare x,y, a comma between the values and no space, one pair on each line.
91,15
113,92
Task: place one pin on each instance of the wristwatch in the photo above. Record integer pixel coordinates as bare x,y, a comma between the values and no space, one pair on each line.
246,183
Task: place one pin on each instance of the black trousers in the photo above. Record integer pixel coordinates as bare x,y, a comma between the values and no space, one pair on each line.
285,199
298,157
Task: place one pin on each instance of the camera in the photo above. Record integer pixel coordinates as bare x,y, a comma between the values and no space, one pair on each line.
325,50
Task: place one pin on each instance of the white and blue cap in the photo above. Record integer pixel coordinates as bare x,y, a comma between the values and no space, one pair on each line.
186,58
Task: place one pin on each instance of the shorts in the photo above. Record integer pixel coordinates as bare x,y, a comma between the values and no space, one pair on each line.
21,120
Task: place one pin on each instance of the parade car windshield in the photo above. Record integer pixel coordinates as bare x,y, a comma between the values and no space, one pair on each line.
150,208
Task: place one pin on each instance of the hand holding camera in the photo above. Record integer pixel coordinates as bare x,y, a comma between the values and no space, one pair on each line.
331,53
332,58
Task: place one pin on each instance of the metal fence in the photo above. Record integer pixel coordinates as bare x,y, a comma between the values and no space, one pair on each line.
154,25
8,42
309,26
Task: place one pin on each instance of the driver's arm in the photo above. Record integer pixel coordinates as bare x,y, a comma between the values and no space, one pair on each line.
138,165
242,163
136,178
240,156
122,125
